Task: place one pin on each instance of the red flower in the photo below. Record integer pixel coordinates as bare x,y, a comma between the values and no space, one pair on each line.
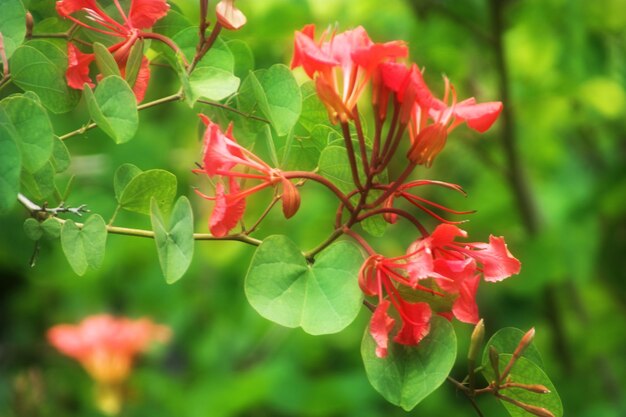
222,155
341,65
141,15
106,346
430,119
439,266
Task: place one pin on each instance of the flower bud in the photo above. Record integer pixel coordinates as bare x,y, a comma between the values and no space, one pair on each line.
30,23
494,359
478,335
427,145
229,16
532,409
291,198
536,388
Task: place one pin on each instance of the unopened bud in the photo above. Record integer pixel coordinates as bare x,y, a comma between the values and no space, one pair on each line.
536,388
229,16
532,409
494,359
527,339
427,144
30,24
390,218
291,198
478,335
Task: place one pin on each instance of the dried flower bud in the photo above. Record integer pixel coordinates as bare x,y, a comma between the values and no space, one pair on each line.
532,409
427,145
536,388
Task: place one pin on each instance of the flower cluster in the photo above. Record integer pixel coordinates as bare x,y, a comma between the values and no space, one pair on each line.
106,346
343,64
436,265
141,16
221,156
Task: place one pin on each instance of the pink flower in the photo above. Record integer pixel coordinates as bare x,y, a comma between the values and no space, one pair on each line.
229,16
106,346
141,15
222,157
342,65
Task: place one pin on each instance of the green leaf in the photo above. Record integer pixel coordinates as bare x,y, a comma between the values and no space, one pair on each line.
321,298
33,130
10,163
51,228
174,243
123,175
244,59
212,78
84,248
39,66
155,183
114,108
105,61
60,155
278,97
12,25
313,111
334,165
41,183
134,62
505,341
170,25
527,372
410,373
32,229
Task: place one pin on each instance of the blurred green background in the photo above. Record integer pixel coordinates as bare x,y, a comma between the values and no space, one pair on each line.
549,176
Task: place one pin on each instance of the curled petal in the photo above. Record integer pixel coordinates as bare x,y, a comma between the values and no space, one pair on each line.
77,73
144,13
380,326
309,55
427,145
415,323
229,16
373,55
480,116
498,263
334,104
220,151
227,210
444,234
368,277
465,308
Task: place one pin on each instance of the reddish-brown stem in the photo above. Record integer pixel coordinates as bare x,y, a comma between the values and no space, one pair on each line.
378,121
320,179
393,186
390,132
202,27
205,47
345,128
393,148
167,41
361,137
354,235
399,212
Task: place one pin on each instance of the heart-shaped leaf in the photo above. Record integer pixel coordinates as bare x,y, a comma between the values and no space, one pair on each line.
410,373
174,243
321,298
32,128
123,175
12,25
84,247
155,183
10,163
39,66
113,107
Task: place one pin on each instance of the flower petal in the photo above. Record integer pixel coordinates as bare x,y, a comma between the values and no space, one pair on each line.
144,13
380,326
498,262
227,211
415,322
67,7
480,116
229,16
142,80
77,74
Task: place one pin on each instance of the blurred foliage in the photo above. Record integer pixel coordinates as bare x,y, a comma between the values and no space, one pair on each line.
566,72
